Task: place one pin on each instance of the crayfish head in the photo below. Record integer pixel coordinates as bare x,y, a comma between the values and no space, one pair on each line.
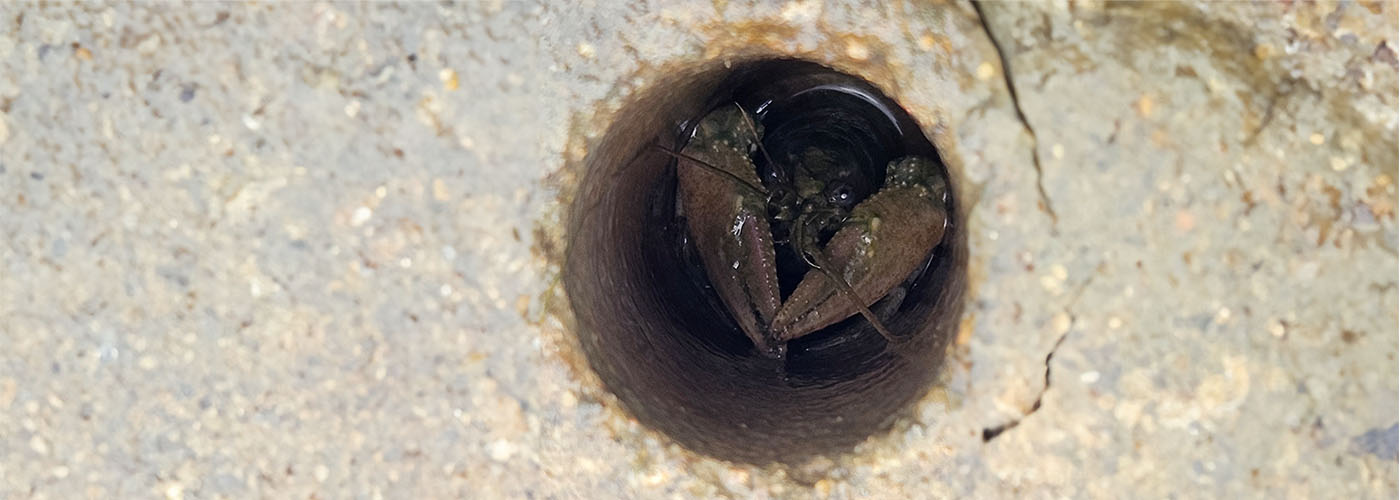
783,203
731,127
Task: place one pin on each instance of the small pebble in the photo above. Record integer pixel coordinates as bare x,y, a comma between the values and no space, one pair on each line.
361,215
986,71
1263,51
855,49
1222,316
149,45
1339,164
1060,323
449,79
1144,106
440,190
801,10
39,445
926,43
501,450
1185,221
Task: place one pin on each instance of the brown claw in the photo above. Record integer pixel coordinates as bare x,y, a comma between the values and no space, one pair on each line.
727,215
886,238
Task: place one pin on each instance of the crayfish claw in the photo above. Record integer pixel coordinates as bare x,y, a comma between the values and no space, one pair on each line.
885,239
726,210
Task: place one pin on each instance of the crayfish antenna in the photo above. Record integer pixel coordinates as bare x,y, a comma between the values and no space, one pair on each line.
782,175
682,156
818,262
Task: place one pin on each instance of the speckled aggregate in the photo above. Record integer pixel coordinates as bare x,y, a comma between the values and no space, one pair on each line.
285,249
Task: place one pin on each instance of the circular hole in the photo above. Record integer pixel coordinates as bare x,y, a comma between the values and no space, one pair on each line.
649,316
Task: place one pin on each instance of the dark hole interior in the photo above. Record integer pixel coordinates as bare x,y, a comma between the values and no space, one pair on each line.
656,332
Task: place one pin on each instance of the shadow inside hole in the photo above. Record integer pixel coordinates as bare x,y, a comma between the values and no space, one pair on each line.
657,334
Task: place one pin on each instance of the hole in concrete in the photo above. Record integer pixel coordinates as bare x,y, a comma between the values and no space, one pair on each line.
649,318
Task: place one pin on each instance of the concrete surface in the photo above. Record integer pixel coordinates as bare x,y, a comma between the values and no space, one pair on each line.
305,250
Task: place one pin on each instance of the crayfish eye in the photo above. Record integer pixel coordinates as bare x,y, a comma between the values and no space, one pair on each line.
840,194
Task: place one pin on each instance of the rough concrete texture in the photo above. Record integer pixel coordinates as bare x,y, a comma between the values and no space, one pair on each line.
285,250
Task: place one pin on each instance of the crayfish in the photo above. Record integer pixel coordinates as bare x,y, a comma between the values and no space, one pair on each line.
856,253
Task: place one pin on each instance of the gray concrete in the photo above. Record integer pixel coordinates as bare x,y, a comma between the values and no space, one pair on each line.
258,251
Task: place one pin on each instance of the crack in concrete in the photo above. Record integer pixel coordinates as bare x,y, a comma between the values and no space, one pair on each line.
990,433
1020,115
